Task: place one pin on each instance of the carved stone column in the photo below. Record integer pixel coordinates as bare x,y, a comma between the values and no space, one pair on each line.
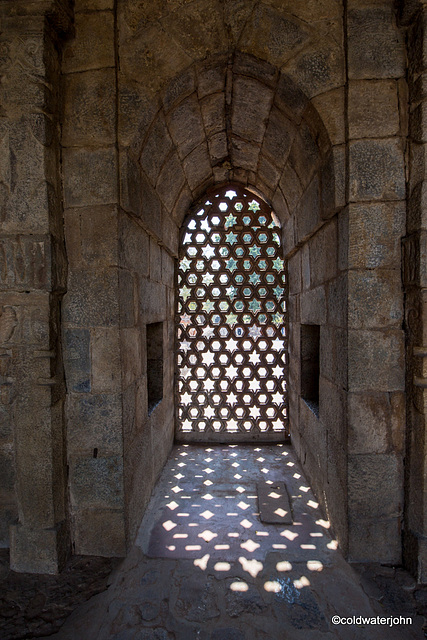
32,282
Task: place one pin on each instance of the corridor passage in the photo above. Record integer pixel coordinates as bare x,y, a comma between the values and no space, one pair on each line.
205,566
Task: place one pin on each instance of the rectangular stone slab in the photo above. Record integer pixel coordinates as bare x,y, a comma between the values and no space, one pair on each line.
274,504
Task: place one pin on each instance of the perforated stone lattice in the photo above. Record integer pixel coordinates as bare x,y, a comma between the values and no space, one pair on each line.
231,330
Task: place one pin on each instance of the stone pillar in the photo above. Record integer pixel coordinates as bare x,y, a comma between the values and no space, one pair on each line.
376,194
32,282
415,282
91,323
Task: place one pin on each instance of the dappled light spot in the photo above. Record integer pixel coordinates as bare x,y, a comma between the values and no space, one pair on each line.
202,563
243,505
314,565
284,565
333,544
303,488
312,504
280,512
169,525
193,547
302,582
253,567
207,535
239,586
290,535
323,523
246,524
222,566
272,586
250,546
180,535
221,547
207,514
279,546
308,546
172,505
177,489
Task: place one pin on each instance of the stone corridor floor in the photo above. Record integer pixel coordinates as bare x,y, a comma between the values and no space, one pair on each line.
205,567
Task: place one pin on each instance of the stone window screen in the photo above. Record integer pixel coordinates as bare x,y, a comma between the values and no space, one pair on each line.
231,361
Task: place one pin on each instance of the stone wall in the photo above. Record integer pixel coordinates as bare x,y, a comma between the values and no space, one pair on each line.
414,276
306,106
32,282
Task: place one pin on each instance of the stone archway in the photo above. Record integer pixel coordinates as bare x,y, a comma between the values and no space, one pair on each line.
159,105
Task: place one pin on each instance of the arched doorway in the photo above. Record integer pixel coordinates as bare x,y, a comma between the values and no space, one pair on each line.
231,322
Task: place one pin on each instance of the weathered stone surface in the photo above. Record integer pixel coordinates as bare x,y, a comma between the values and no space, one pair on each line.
25,263
308,213
199,29
374,418
376,360
375,46
373,109
313,306
375,299
90,528
304,155
90,176
375,538
178,88
197,167
278,137
105,360
244,154
77,359
93,47
131,355
251,107
89,108
268,174
290,187
91,299
96,482
218,150
156,148
133,246
319,70
375,232
337,301
152,301
186,125
94,424
150,212
170,182
211,76
330,107
376,170
136,112
155,261
272,36
213,112
367,491
323,254
334,355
